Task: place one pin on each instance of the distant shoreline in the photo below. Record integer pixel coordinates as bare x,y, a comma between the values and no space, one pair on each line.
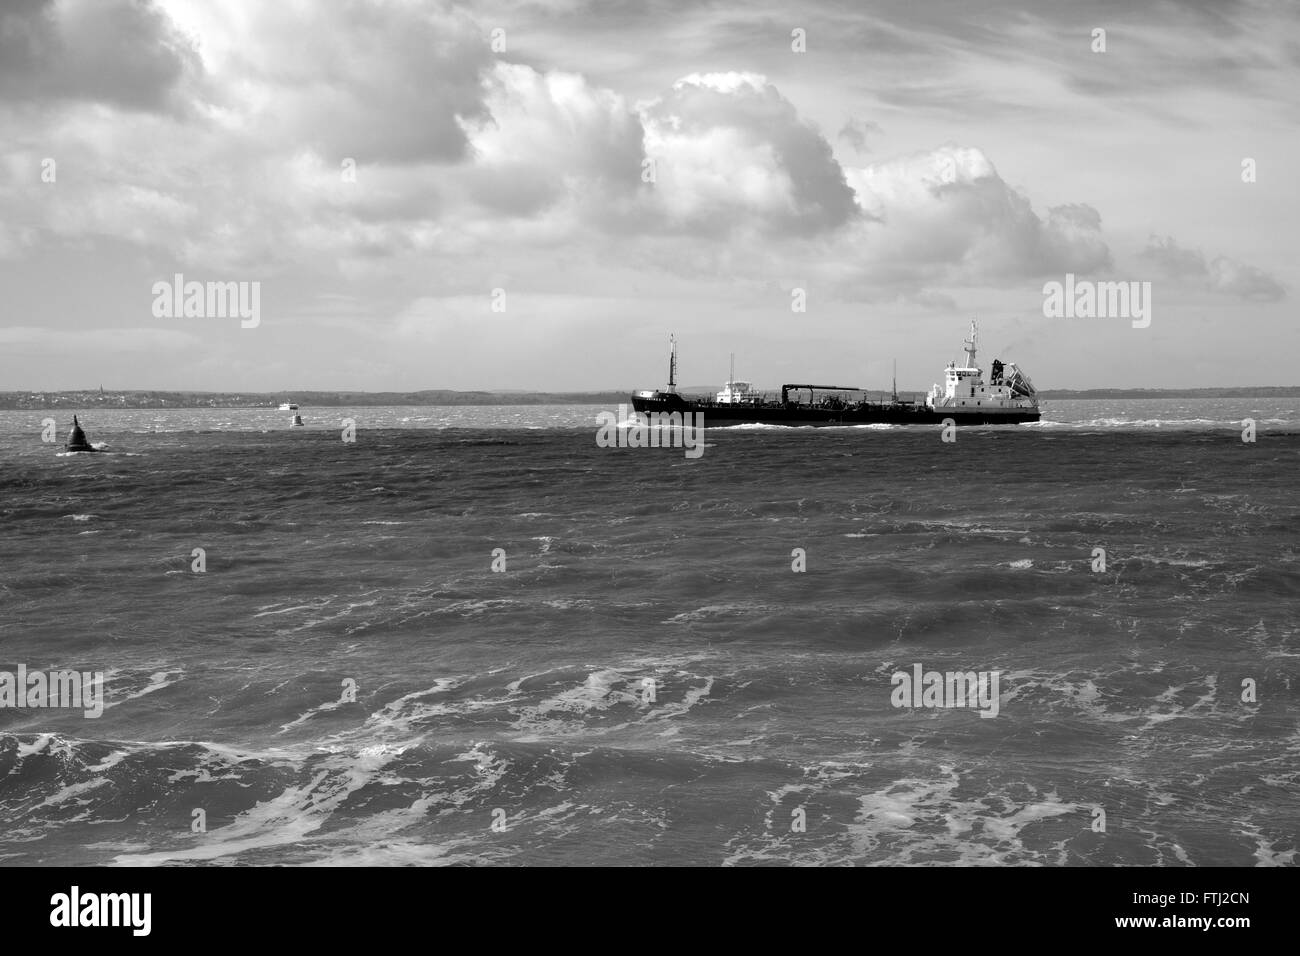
91,398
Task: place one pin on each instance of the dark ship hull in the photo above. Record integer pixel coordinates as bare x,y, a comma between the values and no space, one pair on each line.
721,415
964,399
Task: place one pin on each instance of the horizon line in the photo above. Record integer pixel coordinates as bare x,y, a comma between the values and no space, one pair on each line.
588,391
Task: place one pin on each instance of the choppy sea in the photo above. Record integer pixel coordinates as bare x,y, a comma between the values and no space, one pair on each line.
644,678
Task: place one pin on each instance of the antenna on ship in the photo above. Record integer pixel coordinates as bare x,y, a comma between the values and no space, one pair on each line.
672,363
895,380
732,376
970,347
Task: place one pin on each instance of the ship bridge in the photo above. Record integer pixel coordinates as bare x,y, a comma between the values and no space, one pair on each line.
737,393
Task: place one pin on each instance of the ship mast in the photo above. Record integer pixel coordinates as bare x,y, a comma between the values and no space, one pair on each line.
895,380
672,363
970,347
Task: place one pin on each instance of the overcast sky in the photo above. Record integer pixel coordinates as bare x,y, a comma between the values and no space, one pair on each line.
918,165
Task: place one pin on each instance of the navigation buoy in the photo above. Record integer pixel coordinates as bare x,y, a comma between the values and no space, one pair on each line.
77,440
297,422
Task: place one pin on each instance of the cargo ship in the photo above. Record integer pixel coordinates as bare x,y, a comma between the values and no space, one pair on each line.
1007,398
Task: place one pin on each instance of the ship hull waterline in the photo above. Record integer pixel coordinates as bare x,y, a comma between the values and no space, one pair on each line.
720,415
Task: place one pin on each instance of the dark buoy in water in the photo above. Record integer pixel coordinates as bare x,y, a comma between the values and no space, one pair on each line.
297,422
77,440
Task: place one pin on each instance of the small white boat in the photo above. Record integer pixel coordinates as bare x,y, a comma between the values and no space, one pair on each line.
289,407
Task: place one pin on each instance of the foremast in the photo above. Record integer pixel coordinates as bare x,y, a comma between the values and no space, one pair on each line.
970,346
672,364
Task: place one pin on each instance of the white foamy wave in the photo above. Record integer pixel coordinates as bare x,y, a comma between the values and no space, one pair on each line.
712,612
308,715
1146,558
691,697
55,743
292,816
1030,690
157,681
1148,423
918,820
595,693
296,607
402,714
658,425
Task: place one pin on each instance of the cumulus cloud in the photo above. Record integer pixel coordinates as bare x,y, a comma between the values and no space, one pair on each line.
250,178
1237,278
381,82
551,135
1173,260
947,213
1221,274
121,53
730,150
459,151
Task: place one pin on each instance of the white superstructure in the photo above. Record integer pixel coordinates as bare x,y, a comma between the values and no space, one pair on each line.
737,393
964,390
